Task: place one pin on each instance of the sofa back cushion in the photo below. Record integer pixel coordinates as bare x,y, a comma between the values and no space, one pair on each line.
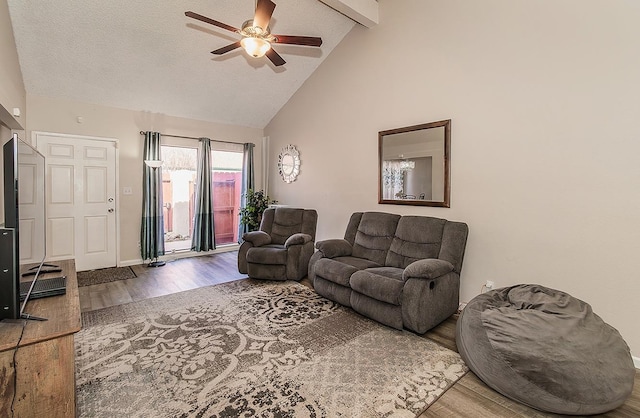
374,236
416,238
352,227
454,241
281,223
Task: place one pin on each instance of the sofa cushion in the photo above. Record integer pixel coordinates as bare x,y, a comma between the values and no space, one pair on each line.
269,254
391,272
352,227
383,312
333,291
286,222
454,241
267,271
334,271
374,236
358,263
382,283
416,238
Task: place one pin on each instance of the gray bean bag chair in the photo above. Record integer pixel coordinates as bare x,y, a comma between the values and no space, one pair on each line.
545,349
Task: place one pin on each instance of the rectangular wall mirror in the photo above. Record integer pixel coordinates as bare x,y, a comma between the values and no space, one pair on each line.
414,165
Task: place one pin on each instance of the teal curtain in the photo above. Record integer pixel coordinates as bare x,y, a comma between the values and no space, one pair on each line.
203,228
248,182
152,231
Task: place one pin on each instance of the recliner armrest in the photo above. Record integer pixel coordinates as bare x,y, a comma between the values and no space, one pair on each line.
297,239
334,248
428,268
257,238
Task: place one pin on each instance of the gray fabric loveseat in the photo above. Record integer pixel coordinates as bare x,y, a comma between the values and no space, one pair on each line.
281,249
402,271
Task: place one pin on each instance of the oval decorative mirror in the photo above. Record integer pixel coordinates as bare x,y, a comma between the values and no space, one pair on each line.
289,163
414,165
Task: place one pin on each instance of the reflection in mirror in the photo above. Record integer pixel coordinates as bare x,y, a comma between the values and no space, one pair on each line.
414,165
287,164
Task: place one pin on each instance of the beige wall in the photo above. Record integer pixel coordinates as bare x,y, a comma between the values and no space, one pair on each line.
544,102
61,116
12,92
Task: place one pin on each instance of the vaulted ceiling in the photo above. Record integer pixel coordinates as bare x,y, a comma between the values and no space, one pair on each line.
147,55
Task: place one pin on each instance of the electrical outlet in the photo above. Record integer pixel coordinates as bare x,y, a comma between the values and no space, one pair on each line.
489,285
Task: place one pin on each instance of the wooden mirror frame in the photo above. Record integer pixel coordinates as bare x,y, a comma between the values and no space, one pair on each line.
385,136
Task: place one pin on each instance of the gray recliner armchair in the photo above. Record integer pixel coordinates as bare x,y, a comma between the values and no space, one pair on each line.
281,249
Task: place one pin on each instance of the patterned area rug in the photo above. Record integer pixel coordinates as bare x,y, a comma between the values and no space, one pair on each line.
253,348
88,278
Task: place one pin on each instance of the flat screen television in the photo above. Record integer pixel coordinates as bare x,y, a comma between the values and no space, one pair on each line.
23,232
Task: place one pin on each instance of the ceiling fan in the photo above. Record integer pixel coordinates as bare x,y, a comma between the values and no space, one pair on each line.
256,34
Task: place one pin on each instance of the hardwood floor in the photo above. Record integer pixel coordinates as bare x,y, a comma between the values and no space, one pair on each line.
469,397
176,276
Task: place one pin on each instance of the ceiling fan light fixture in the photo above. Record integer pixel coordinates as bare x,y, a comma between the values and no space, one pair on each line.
256,47
256,34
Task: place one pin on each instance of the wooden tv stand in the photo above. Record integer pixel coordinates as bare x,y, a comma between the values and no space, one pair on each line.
43,382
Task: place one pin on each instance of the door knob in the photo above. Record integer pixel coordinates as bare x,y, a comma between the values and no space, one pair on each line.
110,210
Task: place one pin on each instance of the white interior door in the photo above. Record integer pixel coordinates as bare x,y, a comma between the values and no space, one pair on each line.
81,199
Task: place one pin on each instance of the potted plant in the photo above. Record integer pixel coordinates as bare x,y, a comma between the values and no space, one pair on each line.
256,203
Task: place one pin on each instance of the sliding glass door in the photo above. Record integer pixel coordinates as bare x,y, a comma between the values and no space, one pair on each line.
227,187
179,169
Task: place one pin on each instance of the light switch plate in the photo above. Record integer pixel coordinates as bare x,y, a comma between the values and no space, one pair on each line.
127,190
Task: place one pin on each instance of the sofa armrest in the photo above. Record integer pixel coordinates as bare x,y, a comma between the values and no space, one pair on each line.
297,239
429,268
334,248
257,238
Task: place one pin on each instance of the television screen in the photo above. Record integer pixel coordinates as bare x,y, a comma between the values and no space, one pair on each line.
31,204
23,237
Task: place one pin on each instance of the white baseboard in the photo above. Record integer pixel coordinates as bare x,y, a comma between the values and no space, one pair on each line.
636,362
127,263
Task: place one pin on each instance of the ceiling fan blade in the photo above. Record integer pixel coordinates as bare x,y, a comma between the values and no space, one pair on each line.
275,58
211,21
297,40
264,10
226,49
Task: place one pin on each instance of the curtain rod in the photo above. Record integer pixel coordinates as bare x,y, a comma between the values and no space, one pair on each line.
193,137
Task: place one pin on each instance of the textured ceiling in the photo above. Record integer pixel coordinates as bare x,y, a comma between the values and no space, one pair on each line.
147,55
